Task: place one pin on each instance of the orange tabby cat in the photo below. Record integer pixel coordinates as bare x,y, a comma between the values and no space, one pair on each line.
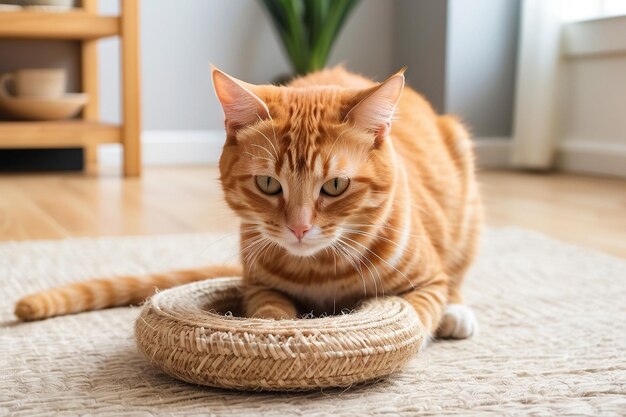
346,189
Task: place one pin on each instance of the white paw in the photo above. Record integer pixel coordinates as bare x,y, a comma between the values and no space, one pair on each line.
458,322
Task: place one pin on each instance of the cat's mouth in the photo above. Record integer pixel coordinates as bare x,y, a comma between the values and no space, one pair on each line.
313,242
304,247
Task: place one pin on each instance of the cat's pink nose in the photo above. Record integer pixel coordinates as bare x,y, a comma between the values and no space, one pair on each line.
299,230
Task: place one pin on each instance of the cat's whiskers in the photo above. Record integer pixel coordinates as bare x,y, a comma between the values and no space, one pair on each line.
262,249
250,259
257,156
267,139
237,252
369,234
356,257
250,246
341,251
272,246
265,149
250,242
247,254
380,279
273,130
334,252
335,290
383,260
361,256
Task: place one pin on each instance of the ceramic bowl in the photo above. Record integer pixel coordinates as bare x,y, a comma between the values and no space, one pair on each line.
28,108
48,102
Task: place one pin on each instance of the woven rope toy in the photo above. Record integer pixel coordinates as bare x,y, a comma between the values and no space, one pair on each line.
184,332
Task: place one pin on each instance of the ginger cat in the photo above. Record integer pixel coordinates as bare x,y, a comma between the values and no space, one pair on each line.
346,189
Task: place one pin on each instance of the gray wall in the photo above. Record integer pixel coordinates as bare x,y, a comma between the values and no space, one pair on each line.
461,55
480,63
181,38
420,44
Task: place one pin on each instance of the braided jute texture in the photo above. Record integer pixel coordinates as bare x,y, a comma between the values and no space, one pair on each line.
550,342
184,332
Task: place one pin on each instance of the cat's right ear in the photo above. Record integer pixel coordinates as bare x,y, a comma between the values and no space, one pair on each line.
241,106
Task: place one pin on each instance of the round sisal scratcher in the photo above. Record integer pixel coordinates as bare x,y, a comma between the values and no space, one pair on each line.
184,332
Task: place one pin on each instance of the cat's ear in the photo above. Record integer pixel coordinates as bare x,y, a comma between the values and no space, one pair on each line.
241,106
374,111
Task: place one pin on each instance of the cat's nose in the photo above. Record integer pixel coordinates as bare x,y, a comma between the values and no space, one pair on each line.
299,230
299,219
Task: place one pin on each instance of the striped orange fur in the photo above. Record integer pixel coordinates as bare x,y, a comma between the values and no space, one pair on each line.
407,222
110,292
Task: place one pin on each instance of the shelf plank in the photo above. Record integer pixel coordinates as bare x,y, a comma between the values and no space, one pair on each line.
59,25
61,134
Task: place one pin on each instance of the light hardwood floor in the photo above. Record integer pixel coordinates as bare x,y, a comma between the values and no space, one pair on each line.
583,210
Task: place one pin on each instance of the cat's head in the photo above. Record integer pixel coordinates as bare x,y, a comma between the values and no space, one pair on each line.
305,165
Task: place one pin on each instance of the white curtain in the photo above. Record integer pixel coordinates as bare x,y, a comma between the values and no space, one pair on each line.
535,135
539,68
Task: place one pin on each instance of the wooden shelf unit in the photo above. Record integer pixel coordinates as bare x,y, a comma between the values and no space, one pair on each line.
67,133
86,26
61,25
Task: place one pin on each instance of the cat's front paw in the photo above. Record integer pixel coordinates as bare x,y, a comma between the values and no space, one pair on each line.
458,322
273,312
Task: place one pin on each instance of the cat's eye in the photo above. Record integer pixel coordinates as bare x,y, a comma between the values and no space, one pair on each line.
336,186
269,185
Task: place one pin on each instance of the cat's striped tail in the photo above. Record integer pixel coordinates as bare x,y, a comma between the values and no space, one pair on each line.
97,294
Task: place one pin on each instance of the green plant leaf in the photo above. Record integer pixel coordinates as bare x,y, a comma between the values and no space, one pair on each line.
337,14
314,13
308,29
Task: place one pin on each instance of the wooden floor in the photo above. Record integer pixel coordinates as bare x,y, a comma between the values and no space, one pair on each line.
583,210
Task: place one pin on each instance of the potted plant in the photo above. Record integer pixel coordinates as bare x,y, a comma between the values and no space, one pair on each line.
308,29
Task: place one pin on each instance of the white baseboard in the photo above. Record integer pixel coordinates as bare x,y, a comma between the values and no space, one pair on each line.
195,147
172,147
192,147
493,152
590,157
580,156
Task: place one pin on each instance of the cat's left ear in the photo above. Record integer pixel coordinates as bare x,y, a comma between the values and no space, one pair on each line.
241,106
375,111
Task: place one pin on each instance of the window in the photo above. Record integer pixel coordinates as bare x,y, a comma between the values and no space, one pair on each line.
573,10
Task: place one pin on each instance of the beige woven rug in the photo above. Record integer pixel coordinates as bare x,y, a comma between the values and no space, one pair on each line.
552,339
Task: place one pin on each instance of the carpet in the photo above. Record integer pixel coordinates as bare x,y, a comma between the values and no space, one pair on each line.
552,339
